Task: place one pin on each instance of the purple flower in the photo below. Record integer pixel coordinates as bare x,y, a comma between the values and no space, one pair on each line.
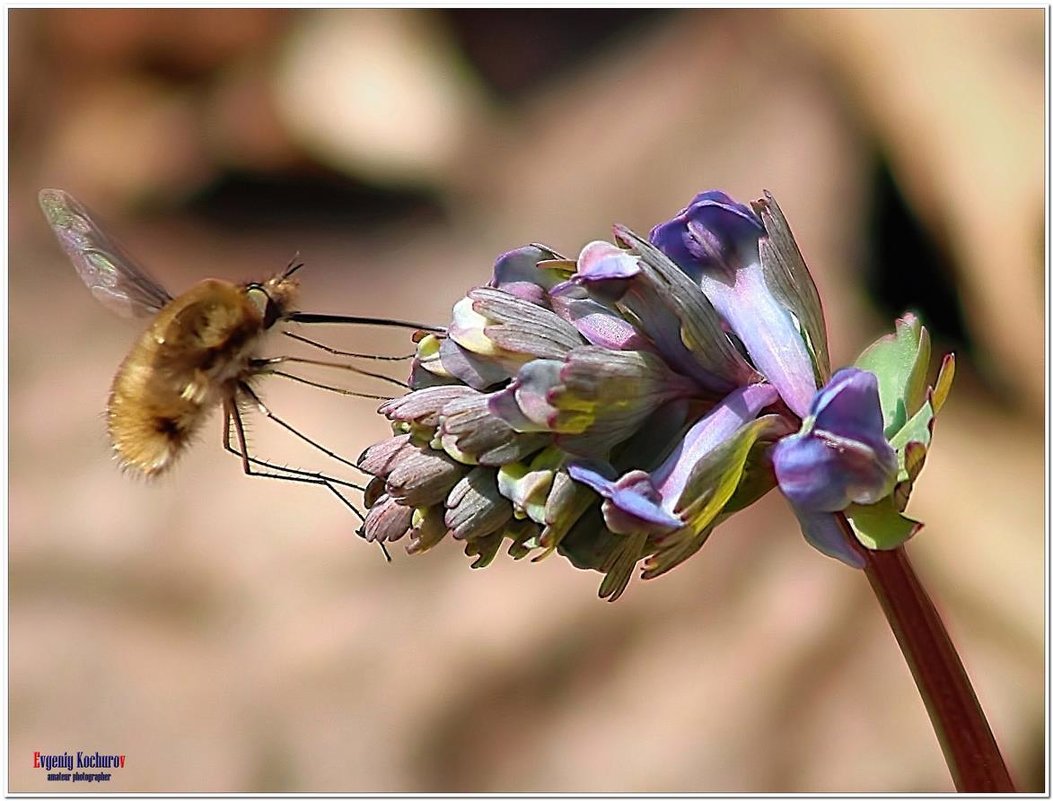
838,458
616,408
747,265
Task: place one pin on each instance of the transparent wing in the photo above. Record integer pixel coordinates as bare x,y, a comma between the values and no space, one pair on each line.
103,265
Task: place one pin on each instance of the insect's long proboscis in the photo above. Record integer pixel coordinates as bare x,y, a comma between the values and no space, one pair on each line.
343,319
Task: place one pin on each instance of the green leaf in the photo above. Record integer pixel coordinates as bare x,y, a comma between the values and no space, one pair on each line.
911,460
917,429
758,478
566,504
484,548
880,526
587,544
715,478
944,380
748,472
621,563
676,549
900,361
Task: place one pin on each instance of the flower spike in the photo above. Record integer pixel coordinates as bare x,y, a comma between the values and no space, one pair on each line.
618,407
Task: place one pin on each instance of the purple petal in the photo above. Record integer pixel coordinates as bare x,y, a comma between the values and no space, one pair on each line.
380,458
727,417
604,329
826,474
423,406
602,261
503,406
710,234
840,455
525,403
850,406
633,501
768,332
422,477
387,520
526,290
599,325
532,387
519,273
476,371
823,533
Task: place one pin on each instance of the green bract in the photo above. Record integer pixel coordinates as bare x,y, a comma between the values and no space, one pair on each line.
909,407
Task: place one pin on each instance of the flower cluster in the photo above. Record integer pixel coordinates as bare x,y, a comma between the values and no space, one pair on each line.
616,407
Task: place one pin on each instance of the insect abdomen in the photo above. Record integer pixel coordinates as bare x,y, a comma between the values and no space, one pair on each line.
149,422
177,372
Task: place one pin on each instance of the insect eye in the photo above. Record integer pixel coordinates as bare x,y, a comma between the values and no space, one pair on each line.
268,308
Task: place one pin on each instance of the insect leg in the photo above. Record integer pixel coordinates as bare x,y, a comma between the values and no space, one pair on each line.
319,385
288,473
232,415
262,363
336,352
266,412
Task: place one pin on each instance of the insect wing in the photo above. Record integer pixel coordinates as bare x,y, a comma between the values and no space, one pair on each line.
103,265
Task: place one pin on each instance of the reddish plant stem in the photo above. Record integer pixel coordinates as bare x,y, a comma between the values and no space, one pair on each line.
969,747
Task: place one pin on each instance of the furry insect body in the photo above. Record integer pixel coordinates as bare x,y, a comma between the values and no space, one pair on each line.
190,358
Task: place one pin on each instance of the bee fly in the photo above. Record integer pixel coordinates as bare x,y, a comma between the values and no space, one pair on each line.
200,351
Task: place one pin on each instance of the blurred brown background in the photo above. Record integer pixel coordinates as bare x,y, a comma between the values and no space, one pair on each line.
229,634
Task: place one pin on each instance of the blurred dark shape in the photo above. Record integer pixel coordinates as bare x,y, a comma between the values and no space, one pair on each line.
908,269
178,44
518,50
514,52
313,199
